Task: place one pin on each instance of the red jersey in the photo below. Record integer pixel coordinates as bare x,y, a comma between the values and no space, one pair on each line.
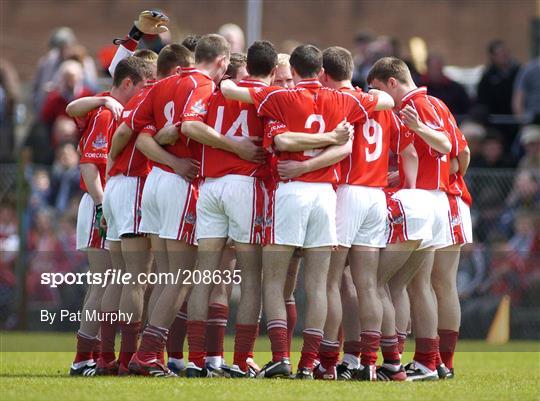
95,141
173,100
131,162
367,165
234,119
309,107
399,140
433,167
457,184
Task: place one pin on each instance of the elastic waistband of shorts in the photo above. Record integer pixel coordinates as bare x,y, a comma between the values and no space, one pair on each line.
161,171
231,177
359,186
301,184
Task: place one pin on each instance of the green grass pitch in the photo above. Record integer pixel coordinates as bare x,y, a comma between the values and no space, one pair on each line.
483,372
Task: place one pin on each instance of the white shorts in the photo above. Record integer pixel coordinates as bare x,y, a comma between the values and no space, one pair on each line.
231,206
410,215
303,214
168,206
460,221
122,205
87,227
441,228
361,216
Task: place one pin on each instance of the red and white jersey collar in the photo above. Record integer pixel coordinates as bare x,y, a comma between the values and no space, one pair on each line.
415,92
309,83
252,81
193,70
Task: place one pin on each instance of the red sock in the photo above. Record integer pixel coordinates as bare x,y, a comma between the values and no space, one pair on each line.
244,341
352,348
292,318
130,337
426,352
251,352
401,336
215,329
108,337
96,352
329,353
448,341
177,334
369,343
196,334
277,331
390,349
152,343
85,347
310,349
438,360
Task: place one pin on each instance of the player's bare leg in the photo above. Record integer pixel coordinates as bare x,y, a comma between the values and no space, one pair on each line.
316,266
329,350
138,260
275,265
218,312
443,277
249,261
210,252
351,328
290,302
364,263
416,277
88,335
182,256
159,250
391,259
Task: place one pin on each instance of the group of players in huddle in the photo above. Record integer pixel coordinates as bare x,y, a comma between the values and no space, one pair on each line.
205,160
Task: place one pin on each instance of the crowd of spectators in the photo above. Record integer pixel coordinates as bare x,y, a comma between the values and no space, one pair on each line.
504,177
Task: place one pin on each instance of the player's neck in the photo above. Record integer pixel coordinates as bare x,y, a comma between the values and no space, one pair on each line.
118,94
209,70
267,80
404,89
345,84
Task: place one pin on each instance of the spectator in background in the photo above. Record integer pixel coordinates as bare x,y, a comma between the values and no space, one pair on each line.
497,82
64,177
362,61
9,248
525,197
491,154
235,36
70,86
475,134
526,97
442,87
530,140
10,97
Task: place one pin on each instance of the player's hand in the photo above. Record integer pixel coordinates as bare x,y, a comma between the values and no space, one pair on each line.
100,223
454,165
410,118
167,135
288,169
226,84
187,168
343,132
114,106
152,22
248,149
393,178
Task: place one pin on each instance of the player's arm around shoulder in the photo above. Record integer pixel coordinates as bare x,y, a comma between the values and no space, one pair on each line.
288,141
82,106
234,92
435,138
384,100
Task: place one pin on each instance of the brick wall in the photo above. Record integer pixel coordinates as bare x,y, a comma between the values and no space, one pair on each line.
459,29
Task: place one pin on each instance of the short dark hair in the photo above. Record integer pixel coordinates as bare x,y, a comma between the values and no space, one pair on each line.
389,67
134,68
172,56
306,60
338,63
210,47
262,58
493,45
238,60
191,41
147,55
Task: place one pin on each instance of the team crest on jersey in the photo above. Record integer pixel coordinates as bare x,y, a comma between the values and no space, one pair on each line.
198,107
189,218
100,142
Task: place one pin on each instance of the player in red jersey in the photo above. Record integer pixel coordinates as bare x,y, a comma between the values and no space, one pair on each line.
97,128
423,115
446,262
184,101
361,223
304,214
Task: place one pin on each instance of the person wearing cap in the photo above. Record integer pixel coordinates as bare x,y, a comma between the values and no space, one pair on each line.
530,140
